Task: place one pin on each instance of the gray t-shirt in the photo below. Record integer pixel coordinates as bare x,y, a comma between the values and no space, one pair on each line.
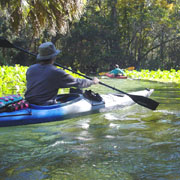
43,82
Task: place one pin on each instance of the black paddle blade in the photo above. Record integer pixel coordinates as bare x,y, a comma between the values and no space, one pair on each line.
144,101
5,43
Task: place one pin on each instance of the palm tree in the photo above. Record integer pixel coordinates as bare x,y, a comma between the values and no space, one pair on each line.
52,15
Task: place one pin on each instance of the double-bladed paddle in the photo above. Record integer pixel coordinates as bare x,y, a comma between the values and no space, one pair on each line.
141,100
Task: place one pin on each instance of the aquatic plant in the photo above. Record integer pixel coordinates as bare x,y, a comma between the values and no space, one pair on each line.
159,75
13,80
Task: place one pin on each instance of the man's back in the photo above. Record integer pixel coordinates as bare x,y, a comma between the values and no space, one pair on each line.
42,83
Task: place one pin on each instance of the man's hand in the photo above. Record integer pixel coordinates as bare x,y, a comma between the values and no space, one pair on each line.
95,80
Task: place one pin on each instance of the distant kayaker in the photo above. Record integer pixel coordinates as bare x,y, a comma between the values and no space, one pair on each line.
44,79
117,71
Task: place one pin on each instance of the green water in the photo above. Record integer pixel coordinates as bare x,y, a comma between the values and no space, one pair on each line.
133,143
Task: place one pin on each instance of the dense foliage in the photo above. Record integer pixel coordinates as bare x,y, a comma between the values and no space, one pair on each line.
139,33
13,80
52,15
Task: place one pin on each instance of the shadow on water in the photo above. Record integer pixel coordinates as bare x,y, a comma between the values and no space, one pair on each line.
129,144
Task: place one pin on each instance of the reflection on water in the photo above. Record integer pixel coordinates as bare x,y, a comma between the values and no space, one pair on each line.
130,144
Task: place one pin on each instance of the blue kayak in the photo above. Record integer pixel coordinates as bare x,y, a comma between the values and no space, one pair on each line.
70,105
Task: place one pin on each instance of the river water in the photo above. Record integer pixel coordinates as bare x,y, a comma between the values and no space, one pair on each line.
133,143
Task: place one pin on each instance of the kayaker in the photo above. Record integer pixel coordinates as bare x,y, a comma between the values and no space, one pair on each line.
117,71
44,79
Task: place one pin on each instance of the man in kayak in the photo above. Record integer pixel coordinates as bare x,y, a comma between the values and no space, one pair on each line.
117,71
44,79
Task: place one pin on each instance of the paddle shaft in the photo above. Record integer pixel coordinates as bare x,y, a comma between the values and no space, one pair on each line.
141,100
87,77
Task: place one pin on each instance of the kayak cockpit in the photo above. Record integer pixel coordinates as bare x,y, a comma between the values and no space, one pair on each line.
62,100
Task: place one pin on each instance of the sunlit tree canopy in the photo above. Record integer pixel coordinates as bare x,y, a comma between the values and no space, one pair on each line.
53,15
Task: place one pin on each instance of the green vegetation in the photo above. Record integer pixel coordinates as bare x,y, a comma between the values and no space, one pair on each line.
13,80
139,33
159,75
39,15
